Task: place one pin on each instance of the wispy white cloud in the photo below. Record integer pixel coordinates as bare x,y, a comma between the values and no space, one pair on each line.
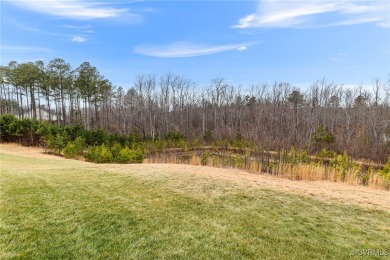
21,25
321,13
78,39
186,49
76,27
64,30
74,9
242,48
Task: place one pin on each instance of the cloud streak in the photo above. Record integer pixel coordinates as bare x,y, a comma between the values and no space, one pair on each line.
283,14
76,27
78,39
74,9
186,49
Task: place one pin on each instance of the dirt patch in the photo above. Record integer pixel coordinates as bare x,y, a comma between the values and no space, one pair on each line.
182,175
32,152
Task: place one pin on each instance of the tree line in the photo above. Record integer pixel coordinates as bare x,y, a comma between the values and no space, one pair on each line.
274,116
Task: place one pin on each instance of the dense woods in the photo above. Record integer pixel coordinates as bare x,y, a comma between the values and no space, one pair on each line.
273,116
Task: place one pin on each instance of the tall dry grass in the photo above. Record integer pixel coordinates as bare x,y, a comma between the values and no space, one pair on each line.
294,171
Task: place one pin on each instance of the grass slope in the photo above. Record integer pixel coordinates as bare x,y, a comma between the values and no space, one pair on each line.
65,209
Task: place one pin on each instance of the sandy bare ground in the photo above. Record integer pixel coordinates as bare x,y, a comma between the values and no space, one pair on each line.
33,152
184,178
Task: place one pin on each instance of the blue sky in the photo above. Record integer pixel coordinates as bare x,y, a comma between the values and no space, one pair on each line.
246,42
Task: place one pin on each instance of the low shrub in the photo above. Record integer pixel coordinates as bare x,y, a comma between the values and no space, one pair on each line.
204,158
93,154
124,156
105,155
138,156
116,149
56,143
79,143
102,154
385,172
99,154
70,150
208,135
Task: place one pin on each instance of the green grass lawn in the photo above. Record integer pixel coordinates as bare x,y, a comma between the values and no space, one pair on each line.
66,209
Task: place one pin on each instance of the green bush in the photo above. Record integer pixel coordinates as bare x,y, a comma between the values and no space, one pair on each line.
74,131
204,158
105,155
321,135
24,131
385,172
138,156
239,141
304,156
97,137
116,149
102,154
7,127
114,138
125,155
43,128
208,135
292,156
174,136
323,153
182,144
56,143
160,144
134,137
70,150
93,154
79,143
343,164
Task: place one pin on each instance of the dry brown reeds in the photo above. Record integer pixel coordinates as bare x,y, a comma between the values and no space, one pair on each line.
341,170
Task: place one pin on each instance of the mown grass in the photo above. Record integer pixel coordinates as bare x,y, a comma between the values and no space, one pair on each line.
67,209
